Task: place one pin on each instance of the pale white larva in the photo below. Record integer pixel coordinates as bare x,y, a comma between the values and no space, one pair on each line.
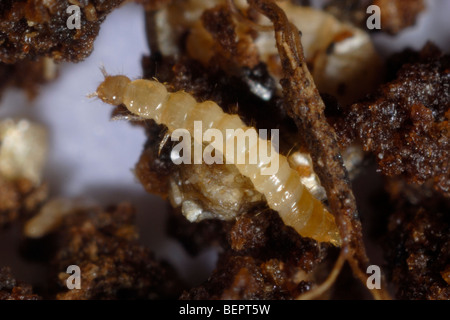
283,190
343,59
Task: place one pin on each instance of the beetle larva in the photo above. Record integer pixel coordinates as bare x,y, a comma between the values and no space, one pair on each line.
283,190
343,59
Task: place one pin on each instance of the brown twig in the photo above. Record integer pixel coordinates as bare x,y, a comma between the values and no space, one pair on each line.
305,106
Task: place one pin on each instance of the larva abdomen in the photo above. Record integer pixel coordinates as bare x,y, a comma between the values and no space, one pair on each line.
145,98
283,190
176,108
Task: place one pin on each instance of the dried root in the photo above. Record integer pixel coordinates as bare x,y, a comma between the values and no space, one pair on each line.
306,107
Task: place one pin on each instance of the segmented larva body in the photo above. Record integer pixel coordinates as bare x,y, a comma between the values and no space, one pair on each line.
283,190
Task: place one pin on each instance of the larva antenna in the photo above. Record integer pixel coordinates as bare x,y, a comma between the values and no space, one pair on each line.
264,210
105,74
234,108
103,70
163,142
252,123
92,95
291,150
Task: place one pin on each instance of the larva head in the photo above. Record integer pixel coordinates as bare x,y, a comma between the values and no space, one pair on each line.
112,89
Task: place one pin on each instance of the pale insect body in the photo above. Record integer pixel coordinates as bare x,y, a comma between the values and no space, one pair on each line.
283,190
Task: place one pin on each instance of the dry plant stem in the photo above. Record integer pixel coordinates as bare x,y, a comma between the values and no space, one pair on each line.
306,107
326,285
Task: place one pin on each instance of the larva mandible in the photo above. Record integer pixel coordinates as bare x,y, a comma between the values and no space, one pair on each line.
283,190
